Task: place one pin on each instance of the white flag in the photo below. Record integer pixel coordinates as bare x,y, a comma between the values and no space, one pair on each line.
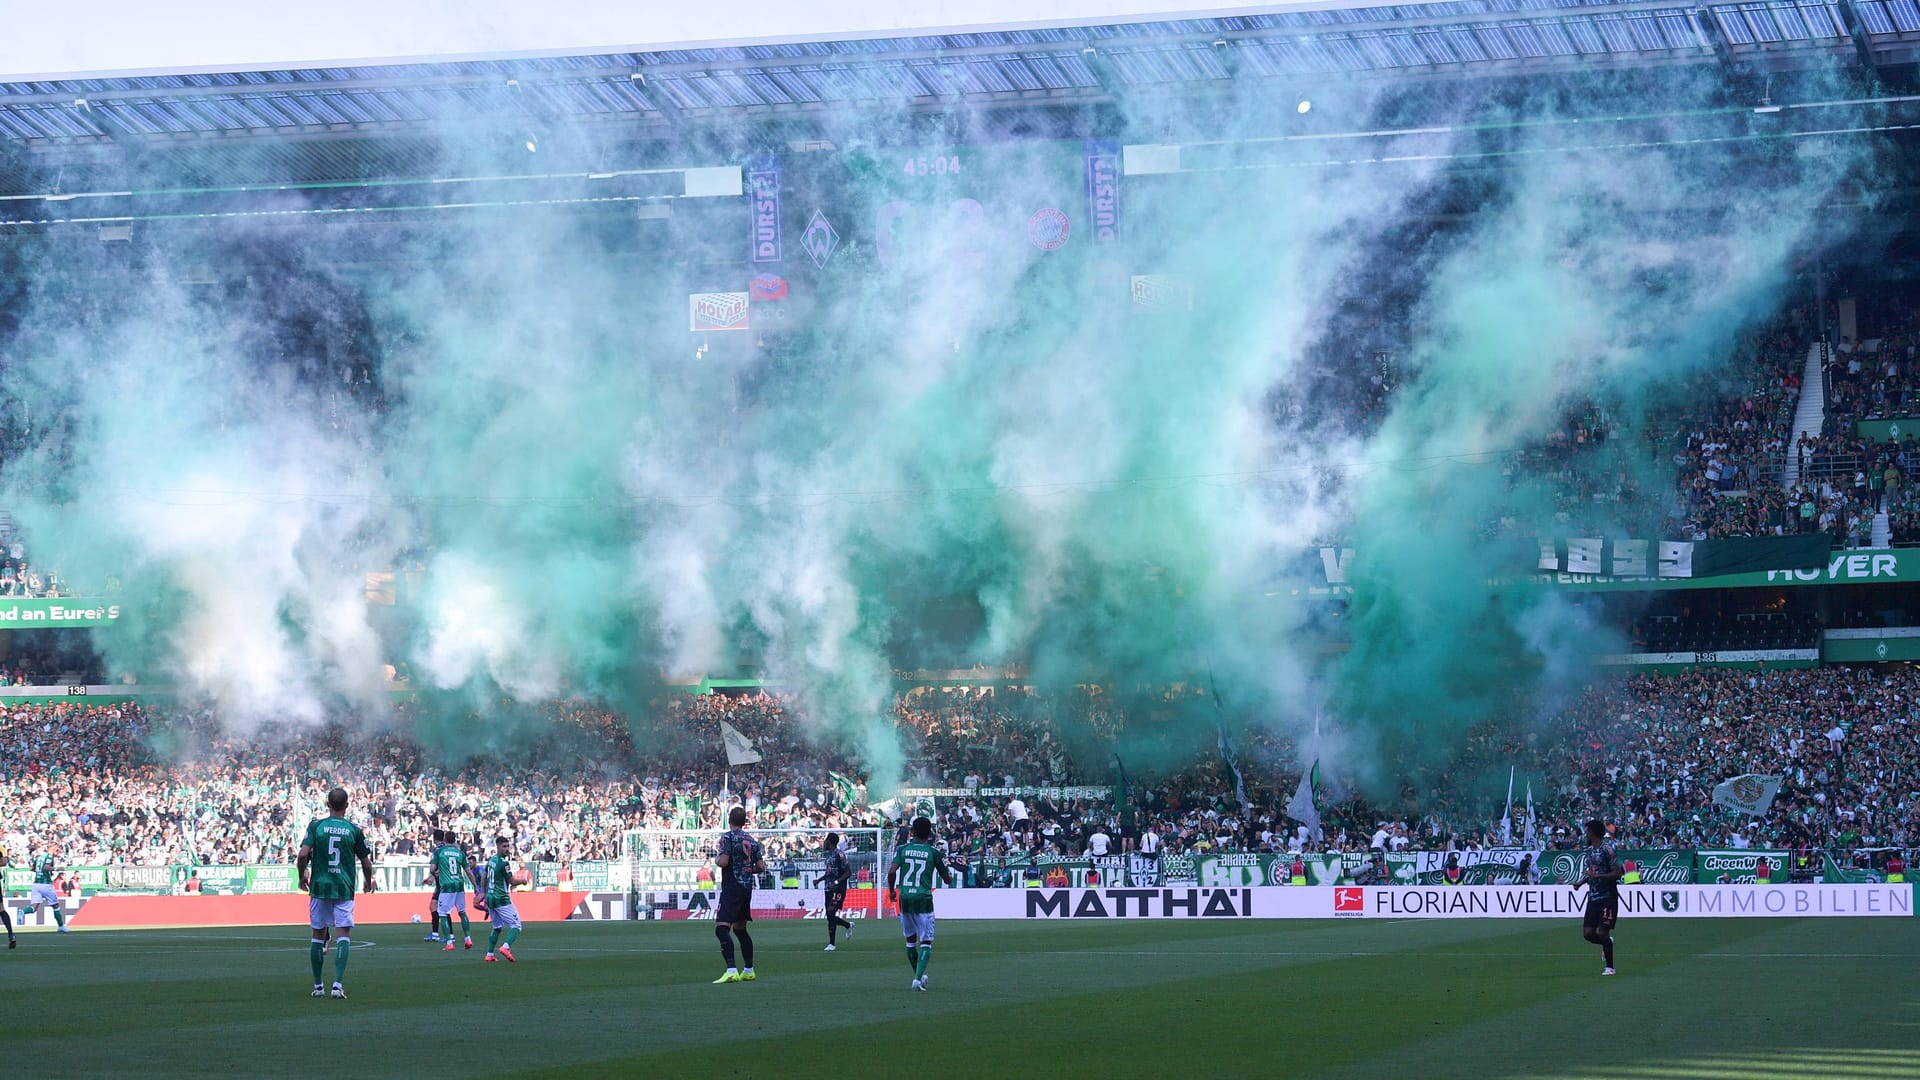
1749,793
1301,807
1530,833
1506,819
740,750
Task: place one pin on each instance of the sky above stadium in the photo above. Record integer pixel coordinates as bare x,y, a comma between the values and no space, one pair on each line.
123,36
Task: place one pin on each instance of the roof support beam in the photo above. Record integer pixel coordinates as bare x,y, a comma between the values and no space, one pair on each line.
1857,30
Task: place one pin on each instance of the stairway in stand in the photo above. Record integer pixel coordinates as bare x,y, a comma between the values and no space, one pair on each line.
1811,412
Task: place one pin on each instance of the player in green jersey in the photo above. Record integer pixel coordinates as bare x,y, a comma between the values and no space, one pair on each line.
499,878
450,869
326,875
910,886
43,895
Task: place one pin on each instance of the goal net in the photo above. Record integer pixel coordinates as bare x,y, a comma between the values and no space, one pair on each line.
673,876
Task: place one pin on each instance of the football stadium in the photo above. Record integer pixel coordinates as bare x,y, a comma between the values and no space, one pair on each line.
1319,539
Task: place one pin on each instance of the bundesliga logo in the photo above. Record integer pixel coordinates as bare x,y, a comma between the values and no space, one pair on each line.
1349,900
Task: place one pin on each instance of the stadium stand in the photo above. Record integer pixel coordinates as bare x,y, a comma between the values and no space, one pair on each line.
133,784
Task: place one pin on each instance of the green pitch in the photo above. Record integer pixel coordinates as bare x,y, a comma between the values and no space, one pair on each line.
1702,1000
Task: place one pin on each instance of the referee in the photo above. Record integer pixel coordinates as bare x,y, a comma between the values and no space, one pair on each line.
835,882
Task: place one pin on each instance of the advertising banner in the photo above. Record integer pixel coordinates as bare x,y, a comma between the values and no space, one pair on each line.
28,613
601,907
763,187
1436,902
1103,189
1874,566
771,904
716,311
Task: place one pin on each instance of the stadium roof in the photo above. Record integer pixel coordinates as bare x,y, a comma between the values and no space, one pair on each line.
287,115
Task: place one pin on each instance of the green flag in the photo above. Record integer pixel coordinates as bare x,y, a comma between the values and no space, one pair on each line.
843,790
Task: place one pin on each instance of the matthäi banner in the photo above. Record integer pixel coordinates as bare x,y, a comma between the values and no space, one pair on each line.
1426,902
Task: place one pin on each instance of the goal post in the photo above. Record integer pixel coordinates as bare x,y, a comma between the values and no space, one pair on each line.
672,876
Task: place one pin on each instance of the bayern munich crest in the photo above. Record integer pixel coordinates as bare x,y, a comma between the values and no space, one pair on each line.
1048,228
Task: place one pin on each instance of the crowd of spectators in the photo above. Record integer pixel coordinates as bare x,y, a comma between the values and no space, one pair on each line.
133,784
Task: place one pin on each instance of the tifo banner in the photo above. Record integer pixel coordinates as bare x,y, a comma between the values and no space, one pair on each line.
25,613
1436,902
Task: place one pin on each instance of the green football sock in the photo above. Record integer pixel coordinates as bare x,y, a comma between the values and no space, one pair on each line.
317,953
513,935
493,939
59,917
926,954
340,950
913,959
466,928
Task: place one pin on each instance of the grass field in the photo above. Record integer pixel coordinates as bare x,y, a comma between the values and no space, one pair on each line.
1694,1001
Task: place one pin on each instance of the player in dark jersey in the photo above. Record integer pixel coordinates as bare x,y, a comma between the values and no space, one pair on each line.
739,860
1603,895
834,881
12,942
325,865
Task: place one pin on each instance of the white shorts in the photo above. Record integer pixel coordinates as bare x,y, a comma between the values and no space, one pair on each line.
44,894
450,902
504,917
917,927
328,914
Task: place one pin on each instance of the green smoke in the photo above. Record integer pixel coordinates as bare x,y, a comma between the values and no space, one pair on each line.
962,448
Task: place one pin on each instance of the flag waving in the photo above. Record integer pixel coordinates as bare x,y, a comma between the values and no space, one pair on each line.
1506,817
1531,831
1301,807
740,749
1750,793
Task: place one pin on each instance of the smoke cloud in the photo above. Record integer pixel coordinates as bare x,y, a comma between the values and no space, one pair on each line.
957,446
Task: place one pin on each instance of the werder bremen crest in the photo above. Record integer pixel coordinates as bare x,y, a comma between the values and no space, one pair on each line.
1669,901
